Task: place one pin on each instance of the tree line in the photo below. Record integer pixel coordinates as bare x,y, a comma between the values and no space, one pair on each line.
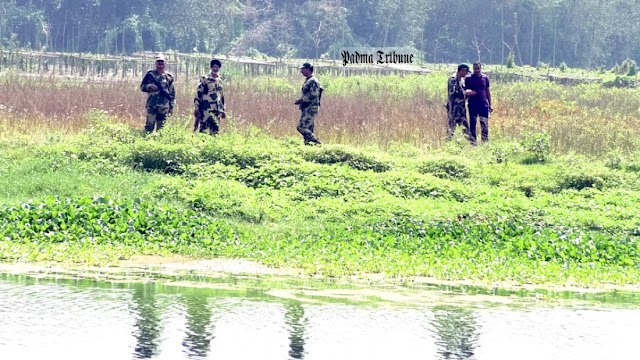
579,33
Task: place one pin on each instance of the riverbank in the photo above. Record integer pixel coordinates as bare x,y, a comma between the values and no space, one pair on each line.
211,273
507,212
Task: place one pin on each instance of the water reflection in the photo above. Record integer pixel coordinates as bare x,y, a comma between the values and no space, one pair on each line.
148,328
71,319
197,342
456,332
296,322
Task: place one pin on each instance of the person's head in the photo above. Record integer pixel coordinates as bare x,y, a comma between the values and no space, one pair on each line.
477,68
306,69
215,66
463,70
160,63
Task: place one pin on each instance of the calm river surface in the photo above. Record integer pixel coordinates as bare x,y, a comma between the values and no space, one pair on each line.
85,319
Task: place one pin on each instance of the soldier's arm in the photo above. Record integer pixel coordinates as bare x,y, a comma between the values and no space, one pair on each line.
172,92
146,81
312,91
222,98
451,89
199,94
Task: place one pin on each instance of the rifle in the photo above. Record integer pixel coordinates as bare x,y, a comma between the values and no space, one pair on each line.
157,82
320,95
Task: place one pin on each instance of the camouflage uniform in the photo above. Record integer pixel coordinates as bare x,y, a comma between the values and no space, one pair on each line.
309,106
158,106
456,108
209,102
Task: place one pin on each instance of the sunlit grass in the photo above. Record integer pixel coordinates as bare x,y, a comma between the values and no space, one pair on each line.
358,110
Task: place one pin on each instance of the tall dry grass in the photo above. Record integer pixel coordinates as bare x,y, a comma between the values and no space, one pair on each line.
355,110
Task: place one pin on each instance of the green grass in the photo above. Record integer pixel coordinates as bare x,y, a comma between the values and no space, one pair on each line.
498,212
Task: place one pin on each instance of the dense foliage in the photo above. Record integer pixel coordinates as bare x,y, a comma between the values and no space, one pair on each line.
460,213
558,32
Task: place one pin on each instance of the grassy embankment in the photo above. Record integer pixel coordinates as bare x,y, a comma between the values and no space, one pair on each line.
553,198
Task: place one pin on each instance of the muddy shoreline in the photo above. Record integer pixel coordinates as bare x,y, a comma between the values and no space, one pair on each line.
150,268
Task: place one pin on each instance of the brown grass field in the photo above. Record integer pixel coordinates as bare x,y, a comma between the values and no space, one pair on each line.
355,110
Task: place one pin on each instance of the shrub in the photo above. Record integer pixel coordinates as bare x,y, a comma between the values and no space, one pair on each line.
629,68
537,148
580,181
244,156
409,186
528,189
275,175
445,168
620,82
511,60
502,152
340,154
227,198
103,221
334,184
633,166
170,158
582,176
541,65
615,161
563,67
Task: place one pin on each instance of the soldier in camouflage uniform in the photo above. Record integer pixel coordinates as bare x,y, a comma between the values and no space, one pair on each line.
309,105
456,107
209,101
160,102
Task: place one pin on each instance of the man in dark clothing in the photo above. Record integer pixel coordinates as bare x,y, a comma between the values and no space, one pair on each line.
479,101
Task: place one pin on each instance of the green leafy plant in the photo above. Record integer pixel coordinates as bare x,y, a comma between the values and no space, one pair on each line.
537,148
449,168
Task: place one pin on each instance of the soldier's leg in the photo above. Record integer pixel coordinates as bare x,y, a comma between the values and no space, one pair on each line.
313,113
451,126
467,131
473,121
303,126
461,118
205,122
160,120
484,124
150,124
161,117
214,126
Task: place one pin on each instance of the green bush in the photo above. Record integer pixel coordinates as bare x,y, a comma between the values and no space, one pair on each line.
275,175
563,67
511,60
579,180
103,221
410,186
628,68
446,168
340,154
537,148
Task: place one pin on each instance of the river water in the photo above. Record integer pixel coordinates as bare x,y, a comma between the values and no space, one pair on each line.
44,318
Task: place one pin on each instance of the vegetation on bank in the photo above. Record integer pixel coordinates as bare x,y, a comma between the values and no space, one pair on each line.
509,210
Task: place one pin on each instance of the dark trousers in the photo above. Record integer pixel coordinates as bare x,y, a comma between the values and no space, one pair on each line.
481,112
